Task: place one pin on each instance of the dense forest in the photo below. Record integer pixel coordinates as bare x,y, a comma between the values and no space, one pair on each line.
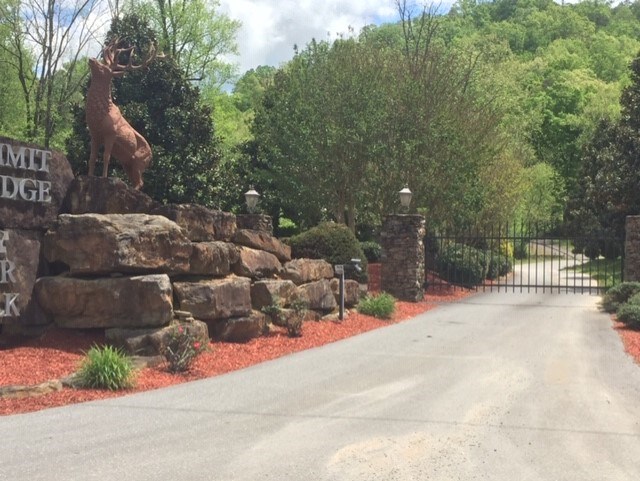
496,111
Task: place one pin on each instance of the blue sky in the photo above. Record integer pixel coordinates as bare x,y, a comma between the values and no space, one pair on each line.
270,28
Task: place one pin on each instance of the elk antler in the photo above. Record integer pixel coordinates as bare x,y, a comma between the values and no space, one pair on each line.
110,55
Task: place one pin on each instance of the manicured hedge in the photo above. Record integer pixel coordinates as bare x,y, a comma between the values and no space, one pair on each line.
499,265
462,264
619,294
372,251
332,242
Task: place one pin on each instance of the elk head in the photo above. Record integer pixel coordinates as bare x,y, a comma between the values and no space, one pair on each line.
109,65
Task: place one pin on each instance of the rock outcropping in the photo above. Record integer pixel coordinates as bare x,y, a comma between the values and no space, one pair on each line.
116,260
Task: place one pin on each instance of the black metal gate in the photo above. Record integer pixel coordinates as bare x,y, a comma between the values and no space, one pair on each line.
522,259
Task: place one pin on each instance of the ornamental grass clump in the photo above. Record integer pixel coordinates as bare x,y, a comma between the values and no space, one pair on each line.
181,349
381,306
106,367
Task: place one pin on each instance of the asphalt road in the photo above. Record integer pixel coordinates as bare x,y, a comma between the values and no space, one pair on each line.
497,387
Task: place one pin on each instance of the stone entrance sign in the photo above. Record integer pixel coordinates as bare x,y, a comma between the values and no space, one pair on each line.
33,184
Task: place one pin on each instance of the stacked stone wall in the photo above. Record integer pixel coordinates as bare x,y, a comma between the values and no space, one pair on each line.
402,270
106,256
632,249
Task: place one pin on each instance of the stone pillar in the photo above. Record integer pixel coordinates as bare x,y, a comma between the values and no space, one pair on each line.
402,270
259,222
632,249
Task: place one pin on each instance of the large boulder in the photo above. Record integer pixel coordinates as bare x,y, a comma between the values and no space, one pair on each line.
213,258
261,222
241,329
215,298
200,224
264,293
33,185
351,291
318,295
153,342
256,264
19,268
125,243
140,301
106,195
302,271
264,242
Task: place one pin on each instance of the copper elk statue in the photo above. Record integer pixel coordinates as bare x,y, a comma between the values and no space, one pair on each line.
106,124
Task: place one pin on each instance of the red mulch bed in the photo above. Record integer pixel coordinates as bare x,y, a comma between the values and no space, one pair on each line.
58,352
630,339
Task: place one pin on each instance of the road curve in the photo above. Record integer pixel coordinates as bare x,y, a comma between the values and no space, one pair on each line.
497,387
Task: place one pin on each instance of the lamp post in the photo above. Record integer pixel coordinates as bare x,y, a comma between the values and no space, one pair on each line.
251,197
405,198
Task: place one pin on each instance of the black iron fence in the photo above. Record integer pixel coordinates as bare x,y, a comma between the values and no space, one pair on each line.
522,258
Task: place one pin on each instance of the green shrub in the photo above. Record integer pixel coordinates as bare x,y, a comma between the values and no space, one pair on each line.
618,295
521,249
274,311
634,299
334,243
629,314
499,265
380,306
286,227
181,349
463,265
105,368
294,323
372,251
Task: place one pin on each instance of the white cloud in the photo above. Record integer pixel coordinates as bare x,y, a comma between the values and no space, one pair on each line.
270,28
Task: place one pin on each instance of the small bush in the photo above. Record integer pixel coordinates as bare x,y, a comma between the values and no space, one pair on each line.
181,349
294,323
462,264
291,319
506,248
274,311
334,243
372,251
286,227
381,306
499,265
629,314
618,295
105,368
521,249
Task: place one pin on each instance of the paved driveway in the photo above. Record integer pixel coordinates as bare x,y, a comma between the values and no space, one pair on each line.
497,387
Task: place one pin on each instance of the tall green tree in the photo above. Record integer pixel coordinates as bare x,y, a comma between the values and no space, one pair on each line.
47,39
608,190
12,119
348,124
313,127
195,34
